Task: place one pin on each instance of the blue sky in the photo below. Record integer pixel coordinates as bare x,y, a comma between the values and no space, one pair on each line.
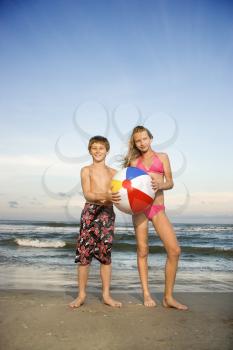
60,59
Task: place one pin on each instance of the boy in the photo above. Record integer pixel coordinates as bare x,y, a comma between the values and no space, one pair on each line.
97,221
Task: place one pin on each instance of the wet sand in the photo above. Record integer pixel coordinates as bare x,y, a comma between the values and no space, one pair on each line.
33,320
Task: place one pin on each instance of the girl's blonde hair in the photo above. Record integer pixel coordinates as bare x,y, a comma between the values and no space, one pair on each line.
133,153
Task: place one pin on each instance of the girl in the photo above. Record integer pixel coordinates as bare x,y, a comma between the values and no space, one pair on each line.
157,165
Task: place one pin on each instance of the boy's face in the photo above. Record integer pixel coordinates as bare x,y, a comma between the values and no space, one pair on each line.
98,151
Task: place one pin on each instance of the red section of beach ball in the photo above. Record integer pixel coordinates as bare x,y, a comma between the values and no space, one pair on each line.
138,200
127,184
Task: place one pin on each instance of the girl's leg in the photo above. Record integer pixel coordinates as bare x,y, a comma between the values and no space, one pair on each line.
167,234
83,272
141,230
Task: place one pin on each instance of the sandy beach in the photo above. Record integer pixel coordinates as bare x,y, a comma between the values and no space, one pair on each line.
32,320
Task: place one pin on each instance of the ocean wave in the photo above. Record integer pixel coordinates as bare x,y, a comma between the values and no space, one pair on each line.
196,250
123,246
206,229
13,223
40,244
213,239
210,251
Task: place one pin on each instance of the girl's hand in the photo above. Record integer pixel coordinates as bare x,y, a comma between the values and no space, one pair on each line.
156,185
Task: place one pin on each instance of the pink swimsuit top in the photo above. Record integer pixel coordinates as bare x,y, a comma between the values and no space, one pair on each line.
156,166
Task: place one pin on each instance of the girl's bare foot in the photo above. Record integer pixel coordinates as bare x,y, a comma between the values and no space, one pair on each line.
148,301
77,302
108,300
171,302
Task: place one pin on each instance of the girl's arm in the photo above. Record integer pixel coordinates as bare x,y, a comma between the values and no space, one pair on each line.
168,184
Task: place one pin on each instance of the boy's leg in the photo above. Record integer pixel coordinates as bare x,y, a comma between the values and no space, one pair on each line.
83,272
84,253
105,273
106,220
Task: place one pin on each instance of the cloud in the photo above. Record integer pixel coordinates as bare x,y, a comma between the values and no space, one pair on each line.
64,195
49,166
13,204
34,201
27,160
203,203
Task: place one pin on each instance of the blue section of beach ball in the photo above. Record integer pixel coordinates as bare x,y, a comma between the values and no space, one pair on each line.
133,172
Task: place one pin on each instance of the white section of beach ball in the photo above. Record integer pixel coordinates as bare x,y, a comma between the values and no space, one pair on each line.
143,183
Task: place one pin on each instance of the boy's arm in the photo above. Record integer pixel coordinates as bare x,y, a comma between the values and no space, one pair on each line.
86,187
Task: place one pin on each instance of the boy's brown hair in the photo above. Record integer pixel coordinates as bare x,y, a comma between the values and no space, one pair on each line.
99,139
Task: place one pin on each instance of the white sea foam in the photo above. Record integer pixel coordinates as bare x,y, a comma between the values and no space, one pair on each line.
207,229
40,243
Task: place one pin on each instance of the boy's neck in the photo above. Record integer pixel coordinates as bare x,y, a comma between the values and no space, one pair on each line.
99,164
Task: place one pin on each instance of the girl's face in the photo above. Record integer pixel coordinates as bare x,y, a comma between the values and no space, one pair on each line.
142,141
98,151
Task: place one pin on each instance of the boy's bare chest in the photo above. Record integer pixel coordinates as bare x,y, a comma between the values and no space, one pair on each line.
100,178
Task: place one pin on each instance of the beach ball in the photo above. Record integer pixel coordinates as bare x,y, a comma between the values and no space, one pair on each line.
134,186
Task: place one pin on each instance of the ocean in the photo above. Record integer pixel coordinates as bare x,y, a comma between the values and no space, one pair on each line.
40,255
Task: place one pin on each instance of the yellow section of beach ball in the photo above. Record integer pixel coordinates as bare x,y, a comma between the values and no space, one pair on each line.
116,185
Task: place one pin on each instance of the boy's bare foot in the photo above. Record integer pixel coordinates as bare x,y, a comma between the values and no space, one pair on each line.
149,302
77,302
171,302
111,302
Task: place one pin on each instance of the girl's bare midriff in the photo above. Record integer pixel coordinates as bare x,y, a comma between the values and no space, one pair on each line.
159,195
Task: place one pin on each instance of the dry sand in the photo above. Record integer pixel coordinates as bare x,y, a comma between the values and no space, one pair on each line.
31,320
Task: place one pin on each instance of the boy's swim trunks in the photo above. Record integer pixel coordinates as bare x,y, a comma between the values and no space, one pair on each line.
96,234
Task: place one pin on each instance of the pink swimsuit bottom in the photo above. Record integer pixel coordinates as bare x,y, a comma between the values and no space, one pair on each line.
153,210
156,167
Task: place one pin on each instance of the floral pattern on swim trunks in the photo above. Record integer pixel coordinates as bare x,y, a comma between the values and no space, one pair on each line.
96,234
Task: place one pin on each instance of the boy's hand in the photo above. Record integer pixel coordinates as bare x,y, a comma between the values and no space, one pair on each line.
115,197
